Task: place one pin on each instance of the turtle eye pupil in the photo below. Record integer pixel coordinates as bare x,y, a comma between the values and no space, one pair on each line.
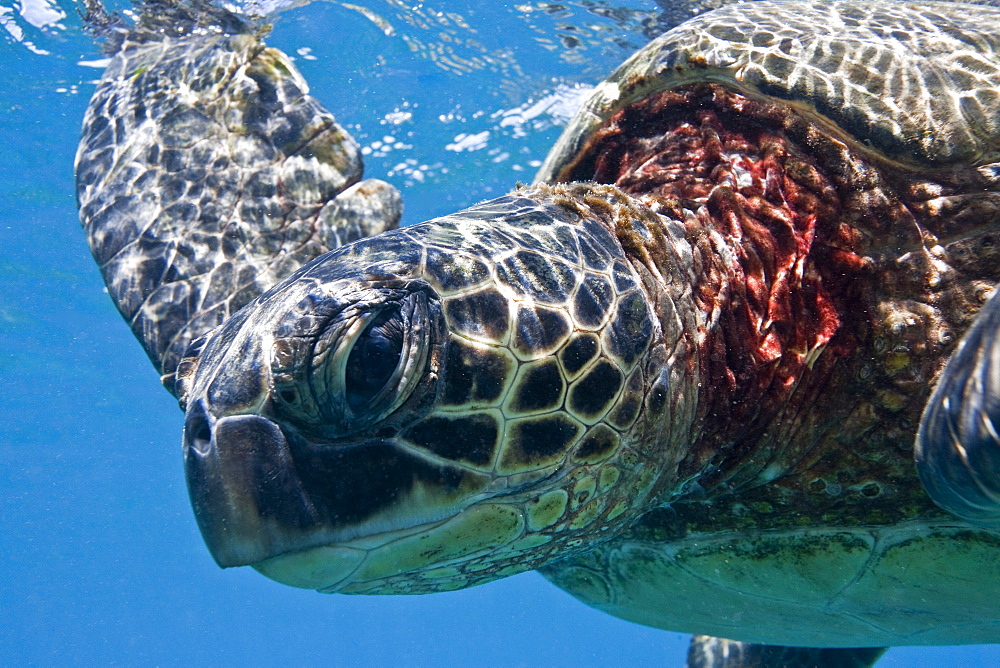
373,359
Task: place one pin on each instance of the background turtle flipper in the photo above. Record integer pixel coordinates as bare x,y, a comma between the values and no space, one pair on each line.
709,652
206,173
958,446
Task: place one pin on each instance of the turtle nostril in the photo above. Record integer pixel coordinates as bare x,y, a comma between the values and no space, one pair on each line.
197,433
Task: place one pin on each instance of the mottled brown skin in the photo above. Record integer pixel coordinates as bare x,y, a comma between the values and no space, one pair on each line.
853,278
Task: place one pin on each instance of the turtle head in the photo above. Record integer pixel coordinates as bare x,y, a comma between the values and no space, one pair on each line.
434,407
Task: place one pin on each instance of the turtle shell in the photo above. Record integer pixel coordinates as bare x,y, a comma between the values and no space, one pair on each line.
919,86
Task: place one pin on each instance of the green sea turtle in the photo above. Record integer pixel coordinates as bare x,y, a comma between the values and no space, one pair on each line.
682,374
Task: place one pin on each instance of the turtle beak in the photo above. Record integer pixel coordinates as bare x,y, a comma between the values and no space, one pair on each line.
247,498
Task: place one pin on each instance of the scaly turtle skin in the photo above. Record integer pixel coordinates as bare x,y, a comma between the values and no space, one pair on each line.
206,174
685,382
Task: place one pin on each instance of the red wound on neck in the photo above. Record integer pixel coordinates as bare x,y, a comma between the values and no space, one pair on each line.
776,256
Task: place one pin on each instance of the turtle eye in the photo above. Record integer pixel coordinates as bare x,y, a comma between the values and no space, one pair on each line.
362,364
374,358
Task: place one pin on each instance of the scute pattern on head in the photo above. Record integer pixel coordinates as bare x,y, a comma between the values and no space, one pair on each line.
519,329
542,376
520,362
531,372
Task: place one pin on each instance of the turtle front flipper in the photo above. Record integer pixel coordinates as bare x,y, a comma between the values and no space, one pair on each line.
710,652
206,173
958,445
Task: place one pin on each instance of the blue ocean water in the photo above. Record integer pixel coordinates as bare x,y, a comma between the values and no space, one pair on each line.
102,563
